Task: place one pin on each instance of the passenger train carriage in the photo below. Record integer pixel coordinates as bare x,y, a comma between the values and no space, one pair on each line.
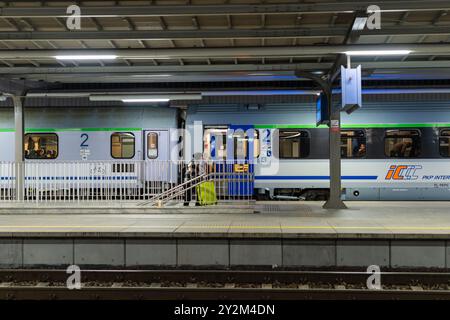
390,151
107,144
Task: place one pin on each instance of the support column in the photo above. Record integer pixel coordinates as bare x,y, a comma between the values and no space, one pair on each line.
18,144
334,202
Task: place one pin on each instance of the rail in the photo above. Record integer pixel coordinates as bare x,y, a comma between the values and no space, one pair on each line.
221,284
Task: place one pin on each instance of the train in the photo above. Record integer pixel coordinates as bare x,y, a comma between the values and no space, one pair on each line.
391,150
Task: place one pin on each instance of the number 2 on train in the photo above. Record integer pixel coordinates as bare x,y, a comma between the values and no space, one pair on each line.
84,138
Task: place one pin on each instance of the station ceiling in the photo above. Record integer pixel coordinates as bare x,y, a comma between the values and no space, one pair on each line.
220,40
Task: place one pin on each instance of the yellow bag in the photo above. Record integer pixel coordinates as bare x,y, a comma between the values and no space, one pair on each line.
206,193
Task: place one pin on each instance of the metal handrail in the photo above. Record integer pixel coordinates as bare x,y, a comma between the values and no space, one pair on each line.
161,196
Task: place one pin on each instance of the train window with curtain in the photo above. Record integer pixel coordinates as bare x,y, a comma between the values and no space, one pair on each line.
122,145
293,144
41,146
402,143
152,145
256,144
444,143
353,144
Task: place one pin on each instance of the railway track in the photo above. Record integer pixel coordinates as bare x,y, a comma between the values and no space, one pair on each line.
220,285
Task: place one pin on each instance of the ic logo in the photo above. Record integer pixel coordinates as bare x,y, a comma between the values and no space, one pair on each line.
403,172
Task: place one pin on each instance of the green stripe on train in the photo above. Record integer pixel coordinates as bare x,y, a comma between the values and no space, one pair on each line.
257,126
350,126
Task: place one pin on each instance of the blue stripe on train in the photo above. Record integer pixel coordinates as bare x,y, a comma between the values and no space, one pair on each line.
314,177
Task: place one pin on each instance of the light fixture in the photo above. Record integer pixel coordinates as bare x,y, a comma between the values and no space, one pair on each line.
377,52
164,97
87,57
145,100
151,75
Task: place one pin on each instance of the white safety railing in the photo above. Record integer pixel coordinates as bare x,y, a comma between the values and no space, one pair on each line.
111,181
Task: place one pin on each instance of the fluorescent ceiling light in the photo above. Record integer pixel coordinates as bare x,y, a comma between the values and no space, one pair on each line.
257,93
151,75
87,57
145,97
377,52
145,100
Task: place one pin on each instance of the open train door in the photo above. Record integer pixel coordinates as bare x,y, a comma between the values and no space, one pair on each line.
240,157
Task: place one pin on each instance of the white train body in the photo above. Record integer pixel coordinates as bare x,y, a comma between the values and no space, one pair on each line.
426,177
84,136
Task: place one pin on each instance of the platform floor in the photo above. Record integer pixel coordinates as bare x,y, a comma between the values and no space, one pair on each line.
287,234
275,219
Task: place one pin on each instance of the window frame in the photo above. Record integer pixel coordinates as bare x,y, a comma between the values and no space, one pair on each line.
439,142
365,142
224,141
111,145
256,136
300,130
235,144
419,135
42,133
157,145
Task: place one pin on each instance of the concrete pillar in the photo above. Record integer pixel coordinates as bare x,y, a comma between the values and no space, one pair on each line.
18,144
334,202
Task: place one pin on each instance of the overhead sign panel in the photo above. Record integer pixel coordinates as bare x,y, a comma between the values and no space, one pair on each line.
351,89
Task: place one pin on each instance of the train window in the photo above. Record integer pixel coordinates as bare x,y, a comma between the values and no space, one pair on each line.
256,144
215,143
41,146
241,144
152,145
353,143
240,141
444,143
402,143
293,144
122,145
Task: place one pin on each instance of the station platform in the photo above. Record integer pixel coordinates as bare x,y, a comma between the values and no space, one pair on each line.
283,234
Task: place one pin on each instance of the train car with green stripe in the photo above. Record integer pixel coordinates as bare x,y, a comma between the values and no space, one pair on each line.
391,150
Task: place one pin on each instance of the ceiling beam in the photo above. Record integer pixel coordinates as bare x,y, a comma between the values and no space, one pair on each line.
147,35
229,52
227,68
231,9
165,69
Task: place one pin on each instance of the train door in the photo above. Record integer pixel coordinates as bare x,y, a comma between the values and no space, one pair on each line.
156,145
158,168
240,156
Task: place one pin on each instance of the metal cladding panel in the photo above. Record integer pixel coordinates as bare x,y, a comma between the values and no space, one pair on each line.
114,117
277,114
